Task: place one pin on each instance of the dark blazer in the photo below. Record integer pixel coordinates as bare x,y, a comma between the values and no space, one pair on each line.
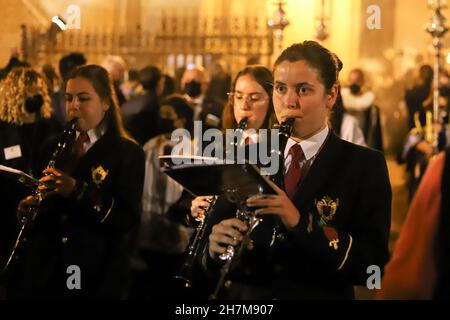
89,229
30,139
345,207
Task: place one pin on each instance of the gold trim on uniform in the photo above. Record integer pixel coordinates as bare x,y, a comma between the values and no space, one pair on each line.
326,207
98,175
346,254
109,211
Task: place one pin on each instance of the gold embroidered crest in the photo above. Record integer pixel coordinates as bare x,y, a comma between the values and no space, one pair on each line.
98,175
326,207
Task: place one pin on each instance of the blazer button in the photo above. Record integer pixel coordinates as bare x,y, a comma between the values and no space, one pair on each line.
64,240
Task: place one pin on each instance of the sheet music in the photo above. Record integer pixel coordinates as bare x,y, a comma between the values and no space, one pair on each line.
19,175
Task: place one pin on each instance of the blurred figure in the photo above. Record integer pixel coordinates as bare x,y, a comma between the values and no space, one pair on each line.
141,114
169,86
117,69
132,87
419,267
359,101
416,96
25,124
344,124
14,62
179,71
425,138
162,239
195,84
220,82
66,65
51,77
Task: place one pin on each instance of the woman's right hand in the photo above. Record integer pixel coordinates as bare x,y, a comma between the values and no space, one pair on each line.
199,206
228,232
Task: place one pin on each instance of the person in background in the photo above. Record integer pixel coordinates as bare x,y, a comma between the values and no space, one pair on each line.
52,78
359,101
132,87
118,71
141,114
25,125
419,266
14,62
169,86
162,238
207,109
220,81
66,65
345,125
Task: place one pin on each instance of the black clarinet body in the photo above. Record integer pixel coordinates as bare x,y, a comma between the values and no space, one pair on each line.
27,218
232,253
197,240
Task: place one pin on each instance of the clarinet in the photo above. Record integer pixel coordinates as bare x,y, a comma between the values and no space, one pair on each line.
286,129
195,243
232,254
27,219
186,272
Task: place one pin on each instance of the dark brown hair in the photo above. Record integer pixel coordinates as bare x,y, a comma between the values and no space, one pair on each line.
103,86
318,57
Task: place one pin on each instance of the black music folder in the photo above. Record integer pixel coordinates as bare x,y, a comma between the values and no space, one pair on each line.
210,176
18,175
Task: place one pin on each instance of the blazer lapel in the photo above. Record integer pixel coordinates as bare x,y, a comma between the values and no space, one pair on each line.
99,148
321,168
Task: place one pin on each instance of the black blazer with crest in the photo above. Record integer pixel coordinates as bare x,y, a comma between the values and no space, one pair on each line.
90,229
345,207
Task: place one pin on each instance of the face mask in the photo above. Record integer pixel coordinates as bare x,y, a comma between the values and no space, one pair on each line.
355,88
193,88
34,104
166,125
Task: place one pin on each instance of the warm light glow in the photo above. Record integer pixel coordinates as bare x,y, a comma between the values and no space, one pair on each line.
448,58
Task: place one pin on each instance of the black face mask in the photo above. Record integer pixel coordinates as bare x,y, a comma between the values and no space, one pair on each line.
166,126
34,104
193,88
355,88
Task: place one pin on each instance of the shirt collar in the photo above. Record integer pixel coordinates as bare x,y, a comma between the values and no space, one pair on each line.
310,146
95,133
252,134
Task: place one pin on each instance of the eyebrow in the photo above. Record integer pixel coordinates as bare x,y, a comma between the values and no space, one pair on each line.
297,84
254,92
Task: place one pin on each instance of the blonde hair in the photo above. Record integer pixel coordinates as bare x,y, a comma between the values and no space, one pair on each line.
20,84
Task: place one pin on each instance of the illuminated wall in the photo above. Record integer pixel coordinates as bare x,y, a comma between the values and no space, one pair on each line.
401,38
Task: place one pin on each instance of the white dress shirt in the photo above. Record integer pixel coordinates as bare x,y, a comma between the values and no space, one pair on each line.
310,147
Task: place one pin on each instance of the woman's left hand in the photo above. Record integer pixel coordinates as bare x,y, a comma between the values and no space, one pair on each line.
57,182
278,204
